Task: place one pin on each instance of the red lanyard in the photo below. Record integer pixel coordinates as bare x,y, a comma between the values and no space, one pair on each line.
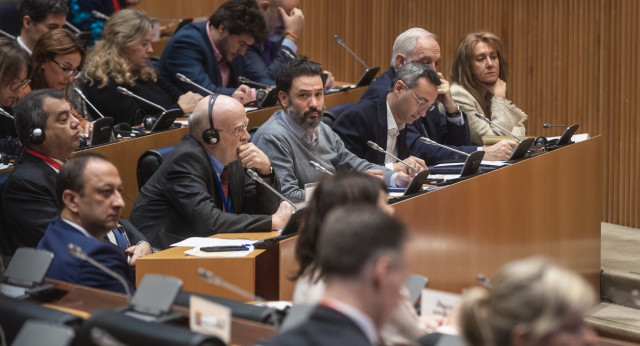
51,162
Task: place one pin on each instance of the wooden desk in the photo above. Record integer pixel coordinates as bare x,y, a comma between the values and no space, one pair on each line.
548,205
82,301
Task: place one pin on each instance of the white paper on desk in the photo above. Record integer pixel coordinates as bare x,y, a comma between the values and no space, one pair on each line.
182,122
203,241
209,318
444,176
249,109
227,254
484,162
438,303
575,138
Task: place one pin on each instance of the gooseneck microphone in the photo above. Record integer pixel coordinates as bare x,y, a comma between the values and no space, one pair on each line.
214,279
546,126
6,114
376,147
319,167
245,80
183,78
99,15
430,141
2,32
76,30
482,117
257,178
340,42
129,93
76,251
288,53
85,99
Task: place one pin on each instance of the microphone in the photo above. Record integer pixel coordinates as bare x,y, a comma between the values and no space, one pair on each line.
257,178
288,53
376,147
482,117
85,99
546,126
340,42
483,280
77,31
183,78
245,80
99,15
129,93
430,141
77,252
7,34
214,279
319,167
6,114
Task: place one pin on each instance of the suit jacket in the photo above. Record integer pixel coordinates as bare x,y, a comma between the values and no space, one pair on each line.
434,126
367,121
67,268
29,202
181,199
324,327
189,52
255,57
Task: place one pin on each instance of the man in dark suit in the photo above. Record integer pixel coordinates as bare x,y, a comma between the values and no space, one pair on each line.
50,134
212,53
361,255
89,190
202,187
384,119
446,124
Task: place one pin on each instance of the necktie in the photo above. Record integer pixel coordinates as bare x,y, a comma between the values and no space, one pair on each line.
224,181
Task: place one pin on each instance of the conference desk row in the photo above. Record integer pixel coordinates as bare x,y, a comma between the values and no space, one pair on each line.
548,205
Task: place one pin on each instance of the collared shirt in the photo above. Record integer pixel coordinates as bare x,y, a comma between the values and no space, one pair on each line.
216,164
223,64
22,45
309,136
290,44
79,228
364,322
393,131
46,159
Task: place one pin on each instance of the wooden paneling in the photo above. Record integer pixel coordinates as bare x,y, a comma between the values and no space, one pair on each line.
570,61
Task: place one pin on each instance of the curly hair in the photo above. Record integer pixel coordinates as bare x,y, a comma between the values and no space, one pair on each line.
54,42
123,31
238,17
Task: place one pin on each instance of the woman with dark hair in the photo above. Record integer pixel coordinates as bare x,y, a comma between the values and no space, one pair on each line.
120,60
341,189
479,73
15,69
58,59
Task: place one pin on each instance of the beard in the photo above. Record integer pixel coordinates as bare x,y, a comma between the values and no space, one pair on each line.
303,119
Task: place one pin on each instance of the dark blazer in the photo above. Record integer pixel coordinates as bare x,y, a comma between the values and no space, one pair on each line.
189,52
67,268
255,56
181,199
434,126
367,121
324,327
29,202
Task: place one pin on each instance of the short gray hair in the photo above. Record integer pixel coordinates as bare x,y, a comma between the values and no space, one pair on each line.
412,71
406,42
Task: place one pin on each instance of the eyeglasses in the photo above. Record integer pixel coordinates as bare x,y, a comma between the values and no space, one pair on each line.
75,72
422,104
19,84
238,129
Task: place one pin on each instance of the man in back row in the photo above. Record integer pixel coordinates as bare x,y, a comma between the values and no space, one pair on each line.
295,135
38,17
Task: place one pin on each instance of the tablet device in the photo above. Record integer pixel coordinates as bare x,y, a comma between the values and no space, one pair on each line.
521,150
368,76
416,183
270,99
566,136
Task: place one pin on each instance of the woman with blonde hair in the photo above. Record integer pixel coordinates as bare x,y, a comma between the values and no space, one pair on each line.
58,59
120,60
479,74
530,302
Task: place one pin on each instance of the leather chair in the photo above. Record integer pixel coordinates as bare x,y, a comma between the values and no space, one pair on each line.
148,164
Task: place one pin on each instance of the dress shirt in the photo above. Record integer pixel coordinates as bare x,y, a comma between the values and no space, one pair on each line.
358,317
393,131
223,64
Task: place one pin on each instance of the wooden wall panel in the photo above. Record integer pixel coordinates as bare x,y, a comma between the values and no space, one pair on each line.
570,61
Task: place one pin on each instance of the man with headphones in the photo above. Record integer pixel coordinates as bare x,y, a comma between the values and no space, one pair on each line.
201,188
49,134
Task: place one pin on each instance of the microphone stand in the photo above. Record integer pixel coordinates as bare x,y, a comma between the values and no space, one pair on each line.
319,167
430,141
129,93
85,99
184,78
257,178
376,147
482,117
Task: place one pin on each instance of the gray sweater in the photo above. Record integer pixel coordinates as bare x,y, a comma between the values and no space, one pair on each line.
281,140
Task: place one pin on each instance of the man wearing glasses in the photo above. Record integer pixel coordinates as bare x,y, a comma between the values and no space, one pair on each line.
202,187
384,119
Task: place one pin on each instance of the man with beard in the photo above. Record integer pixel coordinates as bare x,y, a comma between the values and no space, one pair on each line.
212,53
295,135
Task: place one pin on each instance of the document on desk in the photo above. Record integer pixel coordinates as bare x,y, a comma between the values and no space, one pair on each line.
227,254
205,241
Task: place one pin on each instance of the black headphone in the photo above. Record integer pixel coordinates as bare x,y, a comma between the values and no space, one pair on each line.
210,135
36,136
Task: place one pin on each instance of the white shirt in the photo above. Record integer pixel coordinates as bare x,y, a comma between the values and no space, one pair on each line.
22,45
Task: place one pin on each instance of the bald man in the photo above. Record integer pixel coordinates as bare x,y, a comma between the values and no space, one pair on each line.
202,187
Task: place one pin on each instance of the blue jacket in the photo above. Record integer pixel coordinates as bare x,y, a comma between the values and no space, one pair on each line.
255,57
434,126
189,52
67,268
367,121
